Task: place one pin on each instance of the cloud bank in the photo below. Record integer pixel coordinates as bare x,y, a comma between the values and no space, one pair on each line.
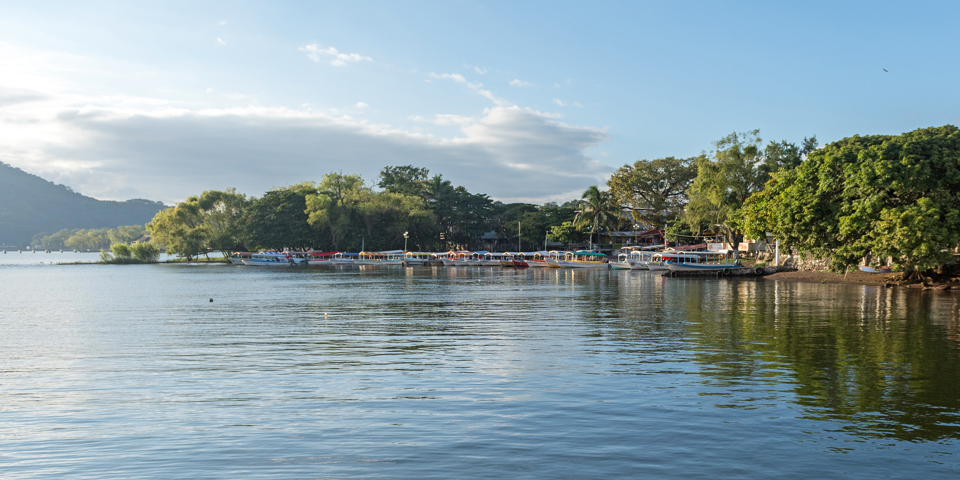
120,147
510,153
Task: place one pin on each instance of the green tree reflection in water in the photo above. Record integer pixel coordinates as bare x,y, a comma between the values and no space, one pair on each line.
882,363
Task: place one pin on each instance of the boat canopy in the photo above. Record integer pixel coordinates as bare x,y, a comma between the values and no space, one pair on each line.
589,253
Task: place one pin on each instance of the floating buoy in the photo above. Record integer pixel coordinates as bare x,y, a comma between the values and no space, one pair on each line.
324,314
211,300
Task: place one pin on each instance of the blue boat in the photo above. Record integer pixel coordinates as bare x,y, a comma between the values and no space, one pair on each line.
865,268
700,267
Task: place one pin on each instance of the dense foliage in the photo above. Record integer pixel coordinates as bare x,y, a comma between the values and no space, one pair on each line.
871,197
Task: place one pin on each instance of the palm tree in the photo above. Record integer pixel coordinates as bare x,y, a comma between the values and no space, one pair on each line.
597,209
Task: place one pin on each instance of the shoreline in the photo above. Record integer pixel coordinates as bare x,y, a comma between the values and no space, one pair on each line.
863,278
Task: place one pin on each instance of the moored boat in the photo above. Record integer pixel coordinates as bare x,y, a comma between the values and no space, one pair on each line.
418,258
584,259
320,258
341,258
537,259
869,269
702,261
269,259
391,257
238,257
491,259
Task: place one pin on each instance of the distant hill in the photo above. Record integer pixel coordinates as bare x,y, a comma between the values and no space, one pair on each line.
30,205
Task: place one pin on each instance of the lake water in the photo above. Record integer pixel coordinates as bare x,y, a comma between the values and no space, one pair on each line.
445,372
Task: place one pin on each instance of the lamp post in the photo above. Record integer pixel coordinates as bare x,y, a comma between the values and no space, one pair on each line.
405,236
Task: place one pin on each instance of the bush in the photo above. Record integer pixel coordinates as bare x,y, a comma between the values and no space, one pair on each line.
120,250
145,252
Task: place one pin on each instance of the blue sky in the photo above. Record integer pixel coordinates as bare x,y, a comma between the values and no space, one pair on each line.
525,101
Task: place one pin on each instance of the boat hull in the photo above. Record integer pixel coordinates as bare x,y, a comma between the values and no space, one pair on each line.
698,267
593,265
262,263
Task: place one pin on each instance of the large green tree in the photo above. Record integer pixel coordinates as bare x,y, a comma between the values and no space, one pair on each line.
211,220
335,208
222,212
724,181
876,196
404,179
180,230
655,191
279,219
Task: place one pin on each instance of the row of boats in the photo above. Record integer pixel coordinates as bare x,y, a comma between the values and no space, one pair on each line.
634,260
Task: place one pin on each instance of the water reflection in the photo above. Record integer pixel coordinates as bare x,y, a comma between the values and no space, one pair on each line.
881,362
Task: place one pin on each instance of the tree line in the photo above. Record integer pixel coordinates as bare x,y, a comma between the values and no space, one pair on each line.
89,239
863,198
409,208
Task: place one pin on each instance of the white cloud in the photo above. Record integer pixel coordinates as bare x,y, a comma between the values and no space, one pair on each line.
444,119
456,77
556,85
475,87
559,102
577,104
223,22
520,83
481,71
220,42
362,105
209,90
316,51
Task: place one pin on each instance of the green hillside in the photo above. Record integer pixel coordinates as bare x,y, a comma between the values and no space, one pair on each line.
30,205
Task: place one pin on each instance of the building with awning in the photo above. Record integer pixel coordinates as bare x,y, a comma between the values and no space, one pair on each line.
630,238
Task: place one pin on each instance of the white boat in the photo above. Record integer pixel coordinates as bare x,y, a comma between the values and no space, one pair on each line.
537,259
340,259
701,261
584,259
677,266
316,259
554,258
418,258
491,259
238,257
391,257
461,259
269,259
629,261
